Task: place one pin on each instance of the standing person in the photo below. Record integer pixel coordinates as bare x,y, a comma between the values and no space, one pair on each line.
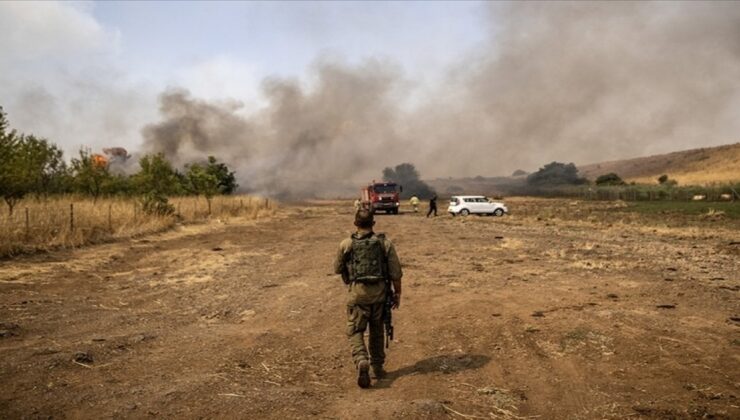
414,201
433,206
369,265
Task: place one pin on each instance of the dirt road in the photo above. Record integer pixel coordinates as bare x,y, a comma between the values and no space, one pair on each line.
506,317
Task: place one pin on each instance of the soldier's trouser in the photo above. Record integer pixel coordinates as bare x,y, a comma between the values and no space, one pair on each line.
359,317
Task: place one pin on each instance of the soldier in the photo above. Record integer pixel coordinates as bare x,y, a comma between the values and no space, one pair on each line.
414,201
368,263
432,206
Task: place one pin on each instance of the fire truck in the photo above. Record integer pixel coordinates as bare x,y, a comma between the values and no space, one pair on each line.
382,196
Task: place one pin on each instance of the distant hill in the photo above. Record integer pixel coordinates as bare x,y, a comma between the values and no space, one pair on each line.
708,165
719,164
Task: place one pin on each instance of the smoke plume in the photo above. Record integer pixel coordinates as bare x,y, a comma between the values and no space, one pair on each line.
582,82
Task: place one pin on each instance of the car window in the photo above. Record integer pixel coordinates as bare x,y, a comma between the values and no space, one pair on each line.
469,200
454,201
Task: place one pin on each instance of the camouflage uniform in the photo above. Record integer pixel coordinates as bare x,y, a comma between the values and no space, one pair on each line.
365,304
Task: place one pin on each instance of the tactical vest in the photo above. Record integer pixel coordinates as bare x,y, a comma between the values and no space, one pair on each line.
367,261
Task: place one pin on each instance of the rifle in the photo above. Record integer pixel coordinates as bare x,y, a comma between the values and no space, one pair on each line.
387,312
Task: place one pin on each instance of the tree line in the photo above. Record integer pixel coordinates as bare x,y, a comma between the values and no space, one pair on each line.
30,165
561,174
406,175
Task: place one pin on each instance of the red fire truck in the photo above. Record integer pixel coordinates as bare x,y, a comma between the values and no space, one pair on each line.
382,196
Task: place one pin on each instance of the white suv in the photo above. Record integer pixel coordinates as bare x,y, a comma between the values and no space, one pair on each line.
478,204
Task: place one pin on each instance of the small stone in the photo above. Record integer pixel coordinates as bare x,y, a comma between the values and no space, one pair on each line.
83,357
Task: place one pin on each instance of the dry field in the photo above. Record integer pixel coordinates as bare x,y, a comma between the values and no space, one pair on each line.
68,221
563,310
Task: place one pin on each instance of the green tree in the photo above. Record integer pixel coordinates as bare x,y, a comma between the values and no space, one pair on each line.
46,165
556,173
664,180
89,176
156,180
406,175
609,179
13,185
27,165
157,176
201,182
225,178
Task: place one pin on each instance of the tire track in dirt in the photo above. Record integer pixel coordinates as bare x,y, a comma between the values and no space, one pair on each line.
500,317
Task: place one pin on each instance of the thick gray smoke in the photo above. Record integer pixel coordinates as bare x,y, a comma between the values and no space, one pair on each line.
582,82
304,143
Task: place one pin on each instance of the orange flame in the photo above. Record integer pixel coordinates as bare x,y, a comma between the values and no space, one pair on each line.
99,161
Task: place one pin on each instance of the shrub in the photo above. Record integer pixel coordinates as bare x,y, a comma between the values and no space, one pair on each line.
157,204
609,179
556,173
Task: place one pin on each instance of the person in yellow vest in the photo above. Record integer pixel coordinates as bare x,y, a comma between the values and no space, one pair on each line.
414,201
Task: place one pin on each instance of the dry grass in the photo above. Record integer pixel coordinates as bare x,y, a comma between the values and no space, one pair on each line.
707,166
69,221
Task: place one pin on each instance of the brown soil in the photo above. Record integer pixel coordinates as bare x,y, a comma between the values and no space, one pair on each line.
505,317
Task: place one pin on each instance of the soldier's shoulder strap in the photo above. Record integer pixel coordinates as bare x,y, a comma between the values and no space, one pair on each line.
385,242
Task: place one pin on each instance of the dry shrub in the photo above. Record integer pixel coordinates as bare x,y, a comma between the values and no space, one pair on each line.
69,221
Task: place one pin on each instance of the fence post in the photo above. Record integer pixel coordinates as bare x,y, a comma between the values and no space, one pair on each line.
71,217
28,228
110,218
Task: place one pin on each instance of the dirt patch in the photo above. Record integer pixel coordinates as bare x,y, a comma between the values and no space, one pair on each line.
557,311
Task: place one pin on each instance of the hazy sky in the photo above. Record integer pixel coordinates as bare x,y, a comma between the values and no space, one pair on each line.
91,60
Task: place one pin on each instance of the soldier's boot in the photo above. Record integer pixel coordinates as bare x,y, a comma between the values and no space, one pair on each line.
377,372
363,374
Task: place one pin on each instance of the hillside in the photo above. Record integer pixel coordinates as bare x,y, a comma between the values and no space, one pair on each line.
689,167
703,166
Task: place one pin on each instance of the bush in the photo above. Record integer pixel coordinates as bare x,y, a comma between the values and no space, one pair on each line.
556,173
157,204
609,179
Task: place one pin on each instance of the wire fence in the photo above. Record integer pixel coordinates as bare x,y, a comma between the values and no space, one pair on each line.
71,221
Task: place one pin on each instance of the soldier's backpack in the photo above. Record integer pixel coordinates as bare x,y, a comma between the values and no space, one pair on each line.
367,260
